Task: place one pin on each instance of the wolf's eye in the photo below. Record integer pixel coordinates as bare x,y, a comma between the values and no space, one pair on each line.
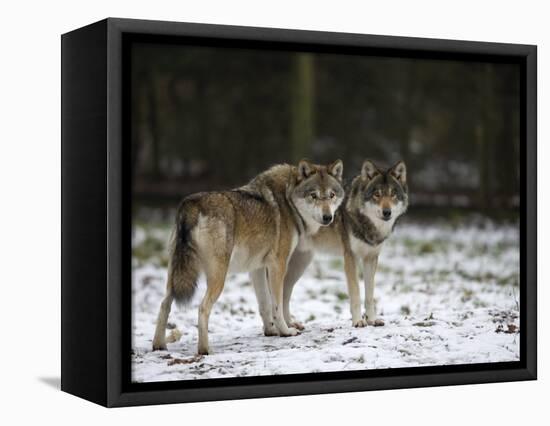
377,194
313,196
393,193
332,195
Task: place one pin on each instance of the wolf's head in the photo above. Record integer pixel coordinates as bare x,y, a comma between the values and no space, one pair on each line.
318,192
381,195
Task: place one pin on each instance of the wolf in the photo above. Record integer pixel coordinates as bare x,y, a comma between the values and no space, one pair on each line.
247,229
374,201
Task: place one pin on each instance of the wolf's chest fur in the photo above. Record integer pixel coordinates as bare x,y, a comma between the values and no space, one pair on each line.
362,249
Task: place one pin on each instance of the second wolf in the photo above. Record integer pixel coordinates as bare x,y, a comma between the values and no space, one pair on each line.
254,228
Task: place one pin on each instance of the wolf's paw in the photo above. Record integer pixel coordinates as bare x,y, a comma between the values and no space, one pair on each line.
291,332
376,323
271,331
159,346
297,325
203,350
359,323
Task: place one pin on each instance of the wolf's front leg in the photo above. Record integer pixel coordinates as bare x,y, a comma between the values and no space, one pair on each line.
276,274
259,281
298,263
353,290
369,265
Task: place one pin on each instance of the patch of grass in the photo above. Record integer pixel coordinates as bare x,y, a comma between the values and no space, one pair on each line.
163,261
402,287
336,264
467,295
341,295
509,280
479,303
443,274
153,225
489,276
384,269
493,250
425,247
150,247
151,250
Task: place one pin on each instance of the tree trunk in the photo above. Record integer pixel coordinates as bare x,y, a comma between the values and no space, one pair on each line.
302,95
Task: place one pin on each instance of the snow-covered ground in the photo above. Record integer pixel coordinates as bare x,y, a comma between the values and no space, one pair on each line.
448,295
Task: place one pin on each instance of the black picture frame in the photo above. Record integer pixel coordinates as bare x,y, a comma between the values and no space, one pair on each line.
96,213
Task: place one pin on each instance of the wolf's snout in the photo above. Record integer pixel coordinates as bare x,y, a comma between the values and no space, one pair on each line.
327,218
386,214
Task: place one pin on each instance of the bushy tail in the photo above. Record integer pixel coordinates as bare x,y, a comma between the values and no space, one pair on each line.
183,268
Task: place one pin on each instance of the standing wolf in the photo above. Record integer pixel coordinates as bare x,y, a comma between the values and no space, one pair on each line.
254,227
374,200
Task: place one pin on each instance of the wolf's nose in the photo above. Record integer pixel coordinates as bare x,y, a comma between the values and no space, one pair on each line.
327,218
386,213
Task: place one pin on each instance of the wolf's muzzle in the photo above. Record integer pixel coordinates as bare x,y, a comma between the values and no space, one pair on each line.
386,214
327,218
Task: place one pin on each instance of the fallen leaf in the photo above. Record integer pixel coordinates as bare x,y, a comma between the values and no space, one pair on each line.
512,328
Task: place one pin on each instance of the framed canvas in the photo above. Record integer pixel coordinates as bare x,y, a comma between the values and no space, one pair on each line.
256,212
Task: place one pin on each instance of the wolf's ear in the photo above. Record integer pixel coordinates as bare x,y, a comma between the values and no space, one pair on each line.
369,171
305,169
336,169
399,171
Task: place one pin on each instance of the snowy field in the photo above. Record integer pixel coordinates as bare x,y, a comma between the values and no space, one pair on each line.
448,295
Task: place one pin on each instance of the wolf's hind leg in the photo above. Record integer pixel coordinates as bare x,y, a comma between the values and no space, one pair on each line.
159,341
215,280
298,263
259,280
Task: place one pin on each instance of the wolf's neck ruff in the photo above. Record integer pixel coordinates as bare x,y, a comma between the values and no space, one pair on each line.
363,228
299,220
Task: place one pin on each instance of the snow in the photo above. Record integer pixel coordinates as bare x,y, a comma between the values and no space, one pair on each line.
448,295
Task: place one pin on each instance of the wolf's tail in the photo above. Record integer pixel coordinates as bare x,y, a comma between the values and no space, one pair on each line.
183,268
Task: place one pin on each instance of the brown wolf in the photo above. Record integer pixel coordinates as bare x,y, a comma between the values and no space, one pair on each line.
251,228
374,201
